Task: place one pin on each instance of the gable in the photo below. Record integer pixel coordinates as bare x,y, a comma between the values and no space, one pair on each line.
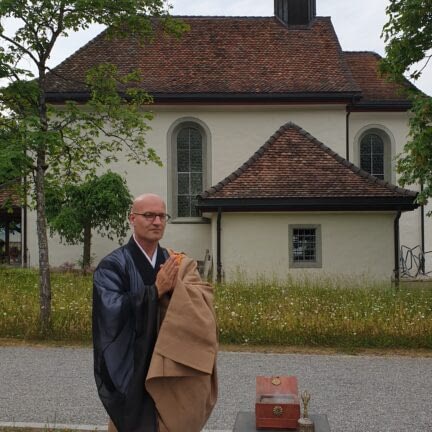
295,170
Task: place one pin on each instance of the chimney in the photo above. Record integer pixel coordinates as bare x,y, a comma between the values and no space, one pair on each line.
295,12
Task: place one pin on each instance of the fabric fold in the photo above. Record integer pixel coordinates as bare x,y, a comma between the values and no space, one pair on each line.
182,377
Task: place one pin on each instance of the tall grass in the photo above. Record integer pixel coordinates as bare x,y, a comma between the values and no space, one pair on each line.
19,305
334,313
325,313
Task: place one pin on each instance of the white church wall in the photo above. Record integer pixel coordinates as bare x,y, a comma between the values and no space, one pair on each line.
353,245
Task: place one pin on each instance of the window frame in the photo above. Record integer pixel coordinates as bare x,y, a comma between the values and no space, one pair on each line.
173,132
318,247
389,149
371,154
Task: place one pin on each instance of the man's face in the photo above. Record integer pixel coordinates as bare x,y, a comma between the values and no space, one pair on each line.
148,231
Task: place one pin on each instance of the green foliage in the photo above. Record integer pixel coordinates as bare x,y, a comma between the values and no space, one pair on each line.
416,164
101,203
66,145
69,143
408,34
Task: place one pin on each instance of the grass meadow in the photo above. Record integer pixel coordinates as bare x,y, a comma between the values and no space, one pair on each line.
326,313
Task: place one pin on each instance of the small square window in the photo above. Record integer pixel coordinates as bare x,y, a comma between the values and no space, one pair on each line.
305,246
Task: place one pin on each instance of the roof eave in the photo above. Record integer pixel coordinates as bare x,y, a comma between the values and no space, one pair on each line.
309,97
402,105
402,203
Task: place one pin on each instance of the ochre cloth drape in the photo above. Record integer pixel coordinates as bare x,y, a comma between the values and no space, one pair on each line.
182,376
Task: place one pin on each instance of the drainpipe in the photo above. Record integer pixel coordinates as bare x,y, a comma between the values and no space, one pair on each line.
218,246
396,249
24,226
24,236
348,113
422,225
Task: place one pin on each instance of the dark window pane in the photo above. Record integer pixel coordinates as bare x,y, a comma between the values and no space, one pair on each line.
377,164
372,155
183,160
196,160
304,245
183,139
183,184
196,183
378,147
365,163
365,146
189,170
195,139
183,205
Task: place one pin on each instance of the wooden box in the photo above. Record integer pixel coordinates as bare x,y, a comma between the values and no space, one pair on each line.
277,403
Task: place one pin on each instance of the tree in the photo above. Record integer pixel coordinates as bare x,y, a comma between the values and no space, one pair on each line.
101,203
408,34
60,146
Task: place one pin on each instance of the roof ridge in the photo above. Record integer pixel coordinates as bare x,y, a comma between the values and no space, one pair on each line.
223,16
241,17
361,52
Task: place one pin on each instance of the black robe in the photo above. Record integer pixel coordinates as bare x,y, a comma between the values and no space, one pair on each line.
125,325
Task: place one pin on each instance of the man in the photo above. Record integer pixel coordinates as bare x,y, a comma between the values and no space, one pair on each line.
138,299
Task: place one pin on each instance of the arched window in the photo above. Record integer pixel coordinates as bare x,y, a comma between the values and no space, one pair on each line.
372,155
188,167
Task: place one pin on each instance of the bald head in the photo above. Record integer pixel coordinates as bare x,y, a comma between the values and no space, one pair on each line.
147,199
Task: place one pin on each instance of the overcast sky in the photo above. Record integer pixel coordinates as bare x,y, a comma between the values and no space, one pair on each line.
358,24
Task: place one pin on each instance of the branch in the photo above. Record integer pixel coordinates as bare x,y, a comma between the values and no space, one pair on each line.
425,65
35,33
21,47
55,33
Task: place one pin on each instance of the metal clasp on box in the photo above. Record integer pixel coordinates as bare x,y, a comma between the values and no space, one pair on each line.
278,411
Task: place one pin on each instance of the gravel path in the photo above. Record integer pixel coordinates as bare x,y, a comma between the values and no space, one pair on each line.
358,393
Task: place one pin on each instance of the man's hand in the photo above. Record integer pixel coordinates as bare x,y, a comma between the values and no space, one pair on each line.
167,276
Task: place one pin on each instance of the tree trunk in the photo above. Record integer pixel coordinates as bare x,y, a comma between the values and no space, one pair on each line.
87,247
44,272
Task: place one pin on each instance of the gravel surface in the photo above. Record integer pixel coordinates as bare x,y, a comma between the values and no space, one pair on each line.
358,393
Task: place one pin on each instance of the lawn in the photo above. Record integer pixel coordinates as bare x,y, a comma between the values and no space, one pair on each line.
326,313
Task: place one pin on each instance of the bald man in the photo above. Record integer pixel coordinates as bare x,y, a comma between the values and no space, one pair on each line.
128,284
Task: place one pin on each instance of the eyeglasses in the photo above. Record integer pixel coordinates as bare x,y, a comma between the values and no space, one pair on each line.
150,217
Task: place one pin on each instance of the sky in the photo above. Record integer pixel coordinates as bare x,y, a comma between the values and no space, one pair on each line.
358,24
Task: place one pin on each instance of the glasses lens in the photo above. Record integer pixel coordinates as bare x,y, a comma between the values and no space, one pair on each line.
152,216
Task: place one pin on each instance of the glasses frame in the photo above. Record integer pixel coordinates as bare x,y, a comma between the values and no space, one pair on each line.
150,216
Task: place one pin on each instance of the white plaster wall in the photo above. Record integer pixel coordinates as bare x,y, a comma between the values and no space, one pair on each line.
396,124
235,134
352,244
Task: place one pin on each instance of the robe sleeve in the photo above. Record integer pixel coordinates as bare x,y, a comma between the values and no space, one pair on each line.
113,328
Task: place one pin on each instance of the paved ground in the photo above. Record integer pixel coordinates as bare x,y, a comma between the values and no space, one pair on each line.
358,393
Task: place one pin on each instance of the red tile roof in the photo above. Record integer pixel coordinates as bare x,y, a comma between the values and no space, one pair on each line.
222,55
294,164
364,68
